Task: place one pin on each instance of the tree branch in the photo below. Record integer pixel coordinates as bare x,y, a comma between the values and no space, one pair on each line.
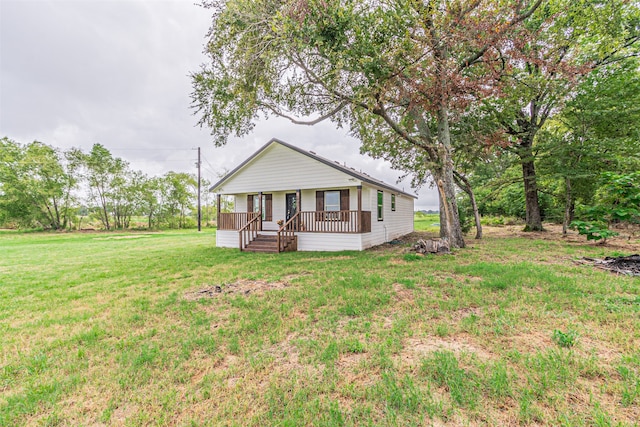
381,111
293,120
611,58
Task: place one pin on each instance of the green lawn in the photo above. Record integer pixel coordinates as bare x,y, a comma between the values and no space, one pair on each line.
109,329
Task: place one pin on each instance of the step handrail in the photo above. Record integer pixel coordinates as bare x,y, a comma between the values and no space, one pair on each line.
250,230
287,230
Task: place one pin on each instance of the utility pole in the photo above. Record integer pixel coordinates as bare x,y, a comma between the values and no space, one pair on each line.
199,208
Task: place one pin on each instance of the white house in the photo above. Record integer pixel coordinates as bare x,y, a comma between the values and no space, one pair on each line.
288,199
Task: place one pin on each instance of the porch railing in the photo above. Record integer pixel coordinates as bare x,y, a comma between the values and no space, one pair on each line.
307,221
249,232
333,222
235,220
287,234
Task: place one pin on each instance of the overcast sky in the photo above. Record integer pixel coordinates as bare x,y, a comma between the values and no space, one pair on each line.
116,72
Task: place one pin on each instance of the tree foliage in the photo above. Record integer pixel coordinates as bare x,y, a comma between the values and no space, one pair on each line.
36,183
44,188
392,71
563,42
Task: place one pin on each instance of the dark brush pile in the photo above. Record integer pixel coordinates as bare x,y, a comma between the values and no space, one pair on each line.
433,246
628,265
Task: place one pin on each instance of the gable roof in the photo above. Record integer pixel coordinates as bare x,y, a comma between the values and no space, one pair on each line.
334,164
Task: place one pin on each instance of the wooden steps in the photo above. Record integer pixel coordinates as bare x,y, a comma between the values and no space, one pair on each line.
269,244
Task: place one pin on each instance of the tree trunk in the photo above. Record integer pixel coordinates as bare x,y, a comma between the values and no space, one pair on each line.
465,185
532,205
449,219
568,203
105,214
57,214
50,216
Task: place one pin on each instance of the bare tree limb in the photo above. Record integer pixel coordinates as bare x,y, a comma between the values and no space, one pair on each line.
293,120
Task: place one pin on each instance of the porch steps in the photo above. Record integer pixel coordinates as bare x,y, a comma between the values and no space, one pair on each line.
268,244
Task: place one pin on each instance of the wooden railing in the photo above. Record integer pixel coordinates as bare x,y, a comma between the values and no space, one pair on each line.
235,220
249,232
306,221
287,233
334,222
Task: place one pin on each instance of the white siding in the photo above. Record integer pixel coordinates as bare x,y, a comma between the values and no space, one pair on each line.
329,242
240,204
394,224
227,238
306,241
278,168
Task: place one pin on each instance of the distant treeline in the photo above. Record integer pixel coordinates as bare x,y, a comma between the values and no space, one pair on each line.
46,188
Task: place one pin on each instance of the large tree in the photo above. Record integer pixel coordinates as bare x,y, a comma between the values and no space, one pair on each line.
104,175
393,71
36,182
597,131
563,42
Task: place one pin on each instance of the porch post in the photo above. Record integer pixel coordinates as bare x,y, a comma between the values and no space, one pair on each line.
260,208
296,226
218,210
359,208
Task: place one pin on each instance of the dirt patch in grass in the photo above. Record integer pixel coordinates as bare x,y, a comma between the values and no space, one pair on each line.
326,259
349,361
600,348
122,413
463,313
417,348
531,342
241,287
290,277
402,293
127,237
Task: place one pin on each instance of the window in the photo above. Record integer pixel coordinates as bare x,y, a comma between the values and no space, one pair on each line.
331,200
380,205
253,205
393,202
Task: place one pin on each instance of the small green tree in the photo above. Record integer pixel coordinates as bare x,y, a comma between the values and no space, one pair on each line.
617,200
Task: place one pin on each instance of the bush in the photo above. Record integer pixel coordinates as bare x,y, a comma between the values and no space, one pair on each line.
565,339
593,230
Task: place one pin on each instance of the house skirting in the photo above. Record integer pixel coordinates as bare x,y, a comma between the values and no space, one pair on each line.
308,241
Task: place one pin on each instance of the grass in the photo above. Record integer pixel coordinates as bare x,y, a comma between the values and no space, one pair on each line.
107,329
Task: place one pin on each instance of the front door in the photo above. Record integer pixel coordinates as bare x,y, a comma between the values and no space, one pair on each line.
292,205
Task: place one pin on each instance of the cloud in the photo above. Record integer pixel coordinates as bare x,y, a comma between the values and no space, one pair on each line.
75,73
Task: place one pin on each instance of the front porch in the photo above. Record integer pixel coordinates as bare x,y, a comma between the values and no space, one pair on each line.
313,226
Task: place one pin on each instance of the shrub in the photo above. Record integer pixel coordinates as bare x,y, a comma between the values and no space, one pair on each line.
565,339
593,230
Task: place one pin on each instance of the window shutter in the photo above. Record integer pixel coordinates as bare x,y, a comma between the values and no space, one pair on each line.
249,203
268,208
319,200
344,204
319,204
344,200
